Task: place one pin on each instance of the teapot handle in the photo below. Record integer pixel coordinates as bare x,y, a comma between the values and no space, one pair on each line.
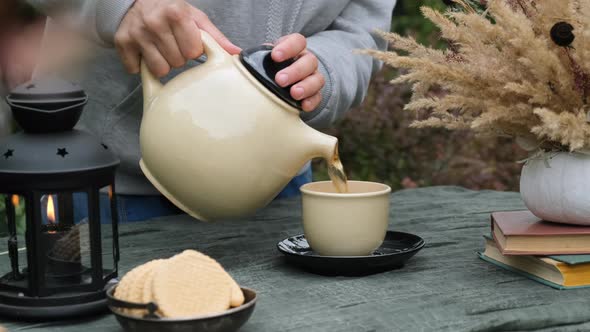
152,85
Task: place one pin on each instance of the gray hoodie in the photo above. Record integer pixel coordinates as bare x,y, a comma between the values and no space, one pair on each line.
334,28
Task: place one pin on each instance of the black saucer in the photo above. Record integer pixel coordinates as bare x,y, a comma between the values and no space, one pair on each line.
396,249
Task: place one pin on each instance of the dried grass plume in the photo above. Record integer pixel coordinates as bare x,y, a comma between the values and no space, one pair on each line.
520,68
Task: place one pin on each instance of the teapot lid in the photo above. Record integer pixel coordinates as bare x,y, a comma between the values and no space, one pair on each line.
259,63
48,90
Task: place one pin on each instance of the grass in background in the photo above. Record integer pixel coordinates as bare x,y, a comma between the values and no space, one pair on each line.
20,220
407,20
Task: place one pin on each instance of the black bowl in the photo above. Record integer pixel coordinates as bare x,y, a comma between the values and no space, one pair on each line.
37,118
228,321
394,252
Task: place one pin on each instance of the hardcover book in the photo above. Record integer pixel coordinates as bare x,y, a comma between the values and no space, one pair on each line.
521,233
561,272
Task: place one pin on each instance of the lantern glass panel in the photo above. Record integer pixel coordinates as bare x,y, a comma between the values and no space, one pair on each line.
13,254
4,258
106,221
5,266
65,239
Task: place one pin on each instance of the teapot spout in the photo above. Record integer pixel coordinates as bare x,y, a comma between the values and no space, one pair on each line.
321,145
151,85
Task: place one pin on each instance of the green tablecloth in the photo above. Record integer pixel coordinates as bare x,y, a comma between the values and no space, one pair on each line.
444,288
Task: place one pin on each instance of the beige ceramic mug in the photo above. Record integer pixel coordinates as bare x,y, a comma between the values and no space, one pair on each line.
350,224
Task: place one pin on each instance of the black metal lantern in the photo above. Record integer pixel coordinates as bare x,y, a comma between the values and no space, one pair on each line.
64,257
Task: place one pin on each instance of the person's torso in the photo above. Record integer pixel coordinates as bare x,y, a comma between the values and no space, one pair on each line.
115,104
251,23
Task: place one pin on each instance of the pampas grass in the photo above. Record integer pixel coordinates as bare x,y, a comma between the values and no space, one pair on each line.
503,72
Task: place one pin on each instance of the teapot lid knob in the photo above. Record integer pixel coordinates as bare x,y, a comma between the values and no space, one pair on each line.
259,63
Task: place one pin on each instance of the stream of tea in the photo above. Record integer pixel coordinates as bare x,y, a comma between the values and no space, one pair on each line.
336,172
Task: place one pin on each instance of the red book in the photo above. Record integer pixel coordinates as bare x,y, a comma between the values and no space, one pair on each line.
521,233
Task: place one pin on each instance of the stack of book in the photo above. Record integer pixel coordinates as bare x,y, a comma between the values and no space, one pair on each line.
554,254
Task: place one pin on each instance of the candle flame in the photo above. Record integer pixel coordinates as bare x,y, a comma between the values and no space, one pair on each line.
50,210
15,200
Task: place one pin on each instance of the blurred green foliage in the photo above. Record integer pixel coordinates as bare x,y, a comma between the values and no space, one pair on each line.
408,21
20,218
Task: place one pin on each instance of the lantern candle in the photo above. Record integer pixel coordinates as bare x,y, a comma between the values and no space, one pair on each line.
63,247
50,233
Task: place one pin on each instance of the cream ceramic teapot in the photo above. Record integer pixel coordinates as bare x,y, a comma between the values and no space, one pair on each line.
221,140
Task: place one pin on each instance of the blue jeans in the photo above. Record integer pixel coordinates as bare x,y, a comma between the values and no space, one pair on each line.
131,208
292,188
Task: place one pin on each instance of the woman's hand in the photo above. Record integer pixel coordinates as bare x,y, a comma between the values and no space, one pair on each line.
165,34
308,82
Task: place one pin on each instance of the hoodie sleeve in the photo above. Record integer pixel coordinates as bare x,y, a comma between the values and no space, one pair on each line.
97,19
348,74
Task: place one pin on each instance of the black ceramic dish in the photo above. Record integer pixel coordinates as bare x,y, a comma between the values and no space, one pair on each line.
396,249
228,321
48,104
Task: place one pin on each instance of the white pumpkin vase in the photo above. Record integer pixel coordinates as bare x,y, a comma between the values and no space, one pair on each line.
557,188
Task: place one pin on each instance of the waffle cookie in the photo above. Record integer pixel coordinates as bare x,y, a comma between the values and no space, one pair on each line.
185,285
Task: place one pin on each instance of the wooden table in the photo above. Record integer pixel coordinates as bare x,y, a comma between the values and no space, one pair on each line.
444,288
